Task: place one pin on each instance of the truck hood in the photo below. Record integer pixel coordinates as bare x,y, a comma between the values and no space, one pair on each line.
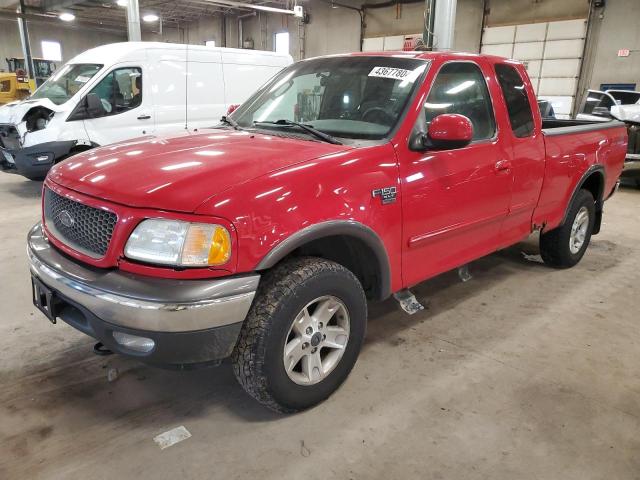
14,112
180,173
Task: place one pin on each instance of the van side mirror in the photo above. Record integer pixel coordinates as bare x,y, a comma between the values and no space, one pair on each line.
446,132
94,106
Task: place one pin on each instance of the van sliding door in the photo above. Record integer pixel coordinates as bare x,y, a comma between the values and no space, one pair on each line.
169,87
205,89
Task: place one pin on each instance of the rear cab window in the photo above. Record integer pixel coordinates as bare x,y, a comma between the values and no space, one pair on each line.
516,99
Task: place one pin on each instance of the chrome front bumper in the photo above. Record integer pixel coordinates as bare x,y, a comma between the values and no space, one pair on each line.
142,303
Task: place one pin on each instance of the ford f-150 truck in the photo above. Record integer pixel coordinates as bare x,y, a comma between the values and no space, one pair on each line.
345,178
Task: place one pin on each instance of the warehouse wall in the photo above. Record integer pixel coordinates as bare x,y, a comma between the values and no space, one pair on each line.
616,28
73,40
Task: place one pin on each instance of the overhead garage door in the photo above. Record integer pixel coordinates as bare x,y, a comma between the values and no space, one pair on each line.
552,53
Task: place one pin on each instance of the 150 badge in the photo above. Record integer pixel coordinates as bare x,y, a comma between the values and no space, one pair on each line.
386,194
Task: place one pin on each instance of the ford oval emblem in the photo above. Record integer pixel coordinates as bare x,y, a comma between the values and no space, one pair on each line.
66,219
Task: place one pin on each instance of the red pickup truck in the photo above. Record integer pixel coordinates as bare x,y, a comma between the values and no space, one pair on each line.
345,178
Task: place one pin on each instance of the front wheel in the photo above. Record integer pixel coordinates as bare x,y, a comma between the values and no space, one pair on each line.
302,335
563,247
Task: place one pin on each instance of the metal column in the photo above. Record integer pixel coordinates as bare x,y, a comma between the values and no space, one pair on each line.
133,21
24,40
444,24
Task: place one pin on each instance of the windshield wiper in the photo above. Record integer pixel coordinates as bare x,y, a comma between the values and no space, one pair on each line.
230,121
307,128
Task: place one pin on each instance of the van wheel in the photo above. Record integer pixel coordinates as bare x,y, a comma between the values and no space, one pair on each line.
302,335
564,246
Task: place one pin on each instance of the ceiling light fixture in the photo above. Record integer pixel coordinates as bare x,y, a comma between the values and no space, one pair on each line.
122,3
150,17
67,17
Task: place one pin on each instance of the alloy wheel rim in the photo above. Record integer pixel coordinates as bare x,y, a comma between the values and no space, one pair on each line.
579,230
317,340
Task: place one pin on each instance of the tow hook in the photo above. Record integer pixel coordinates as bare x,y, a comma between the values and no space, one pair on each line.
100,349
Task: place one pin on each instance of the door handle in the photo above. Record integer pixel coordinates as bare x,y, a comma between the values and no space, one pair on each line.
502,166
144,117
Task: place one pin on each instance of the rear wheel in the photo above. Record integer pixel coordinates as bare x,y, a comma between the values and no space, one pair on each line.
564,246
302,335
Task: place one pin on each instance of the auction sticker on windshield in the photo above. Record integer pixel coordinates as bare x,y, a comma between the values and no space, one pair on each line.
394,73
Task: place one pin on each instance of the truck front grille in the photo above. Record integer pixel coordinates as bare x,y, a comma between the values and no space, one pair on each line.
9,137
83,228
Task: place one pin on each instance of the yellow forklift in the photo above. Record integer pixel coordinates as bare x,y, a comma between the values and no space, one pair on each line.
15,83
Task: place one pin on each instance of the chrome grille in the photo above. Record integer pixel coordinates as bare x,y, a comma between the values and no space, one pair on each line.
83,228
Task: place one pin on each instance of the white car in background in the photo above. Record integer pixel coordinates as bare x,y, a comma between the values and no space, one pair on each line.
620,105
122,91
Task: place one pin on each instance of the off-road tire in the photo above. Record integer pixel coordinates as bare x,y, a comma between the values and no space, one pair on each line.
283,292
554,245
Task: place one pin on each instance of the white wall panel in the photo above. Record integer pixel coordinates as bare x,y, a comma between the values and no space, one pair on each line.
375,44
564,48
395,42
533,67
528,51
493,35
565,67
557,86
567,30
532,32
502,49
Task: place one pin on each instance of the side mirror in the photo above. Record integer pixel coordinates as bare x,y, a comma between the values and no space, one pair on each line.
232,108
445,132
94,105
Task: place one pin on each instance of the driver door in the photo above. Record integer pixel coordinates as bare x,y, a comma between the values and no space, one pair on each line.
127,107
454,201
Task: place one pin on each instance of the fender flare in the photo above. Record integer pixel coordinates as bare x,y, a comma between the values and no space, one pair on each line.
332,228
599,201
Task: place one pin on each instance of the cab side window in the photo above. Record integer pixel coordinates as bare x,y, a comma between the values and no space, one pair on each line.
460,88
515,96
120,90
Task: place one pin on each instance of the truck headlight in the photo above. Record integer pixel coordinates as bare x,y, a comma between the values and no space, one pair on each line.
174,242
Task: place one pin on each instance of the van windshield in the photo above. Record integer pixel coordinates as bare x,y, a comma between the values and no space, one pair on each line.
66,82
346,97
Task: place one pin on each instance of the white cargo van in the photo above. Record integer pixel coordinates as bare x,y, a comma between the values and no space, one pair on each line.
126,90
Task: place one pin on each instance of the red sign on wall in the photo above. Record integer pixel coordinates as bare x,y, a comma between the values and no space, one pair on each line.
623,52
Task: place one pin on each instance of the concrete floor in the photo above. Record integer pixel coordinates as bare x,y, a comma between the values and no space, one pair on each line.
522,373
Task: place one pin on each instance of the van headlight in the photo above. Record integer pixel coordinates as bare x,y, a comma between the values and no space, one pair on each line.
174,242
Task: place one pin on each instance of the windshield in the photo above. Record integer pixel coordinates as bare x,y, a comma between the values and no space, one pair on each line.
346,97
66,82
625,98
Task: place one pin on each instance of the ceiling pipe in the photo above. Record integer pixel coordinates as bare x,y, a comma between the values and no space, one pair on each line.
251,6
